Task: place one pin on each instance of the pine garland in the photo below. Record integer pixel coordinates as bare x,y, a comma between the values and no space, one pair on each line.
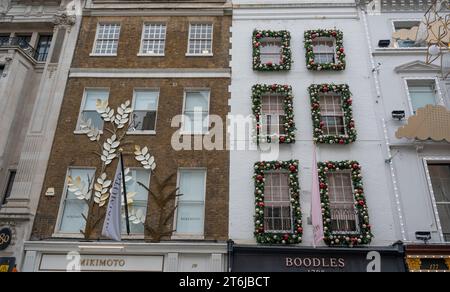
346,96
285,57
261,236
364,236
338,35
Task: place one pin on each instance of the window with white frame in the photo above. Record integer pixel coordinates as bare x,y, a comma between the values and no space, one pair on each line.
137,210
440,180
332,114
200,39
107,39
73,208
153,39
422,93
343,213
145,107
196,111
324,50
270,50
273,114
277,202
405,34
191,203
89,107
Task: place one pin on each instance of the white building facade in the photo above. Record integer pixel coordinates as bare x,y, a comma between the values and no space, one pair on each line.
407,85
37,41
273,216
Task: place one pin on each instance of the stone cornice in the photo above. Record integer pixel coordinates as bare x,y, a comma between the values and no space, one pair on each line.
149,73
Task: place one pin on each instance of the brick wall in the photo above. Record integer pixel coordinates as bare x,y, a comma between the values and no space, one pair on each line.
71,149
176,43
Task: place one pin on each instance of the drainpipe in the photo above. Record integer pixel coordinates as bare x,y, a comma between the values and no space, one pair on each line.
230,246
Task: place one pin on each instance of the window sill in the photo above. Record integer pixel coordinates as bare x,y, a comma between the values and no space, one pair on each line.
194,134
102,55
68,235
138,133
179,236
400,50
199,55
81,132
133,237
150,55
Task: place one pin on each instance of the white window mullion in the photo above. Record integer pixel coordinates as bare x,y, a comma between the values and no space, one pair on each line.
200,39
107,39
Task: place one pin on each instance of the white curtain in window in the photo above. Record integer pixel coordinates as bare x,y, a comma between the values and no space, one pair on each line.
138,209
196,111
71,219
146,100
190,217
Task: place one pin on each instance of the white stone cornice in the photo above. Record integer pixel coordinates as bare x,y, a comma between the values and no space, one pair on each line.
311,10
125,247
149,73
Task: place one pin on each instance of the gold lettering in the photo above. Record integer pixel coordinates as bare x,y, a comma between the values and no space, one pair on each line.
289,262
341,263
4,268
4,238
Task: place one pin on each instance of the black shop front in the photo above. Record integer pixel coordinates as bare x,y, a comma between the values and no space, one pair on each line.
255,258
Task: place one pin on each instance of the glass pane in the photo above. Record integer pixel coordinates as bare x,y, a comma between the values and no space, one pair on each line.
444,216
343,213
440,179
190,218
192,185
72,221
196,100
270,50
421,98
146,100
94,116
86,176
138,209
144,121
43,47
91,98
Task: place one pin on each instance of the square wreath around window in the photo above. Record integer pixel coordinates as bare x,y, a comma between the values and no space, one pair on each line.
271,50
332,122
278,216
286,124
330,208
316,43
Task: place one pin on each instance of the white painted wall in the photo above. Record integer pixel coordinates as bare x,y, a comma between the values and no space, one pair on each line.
368,149
413,188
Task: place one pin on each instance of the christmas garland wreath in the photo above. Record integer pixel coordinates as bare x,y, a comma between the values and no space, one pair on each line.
338,35
364,235
261,235
285,56
318,124
258,92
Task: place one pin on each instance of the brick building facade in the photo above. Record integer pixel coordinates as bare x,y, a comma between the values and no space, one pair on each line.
170,63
